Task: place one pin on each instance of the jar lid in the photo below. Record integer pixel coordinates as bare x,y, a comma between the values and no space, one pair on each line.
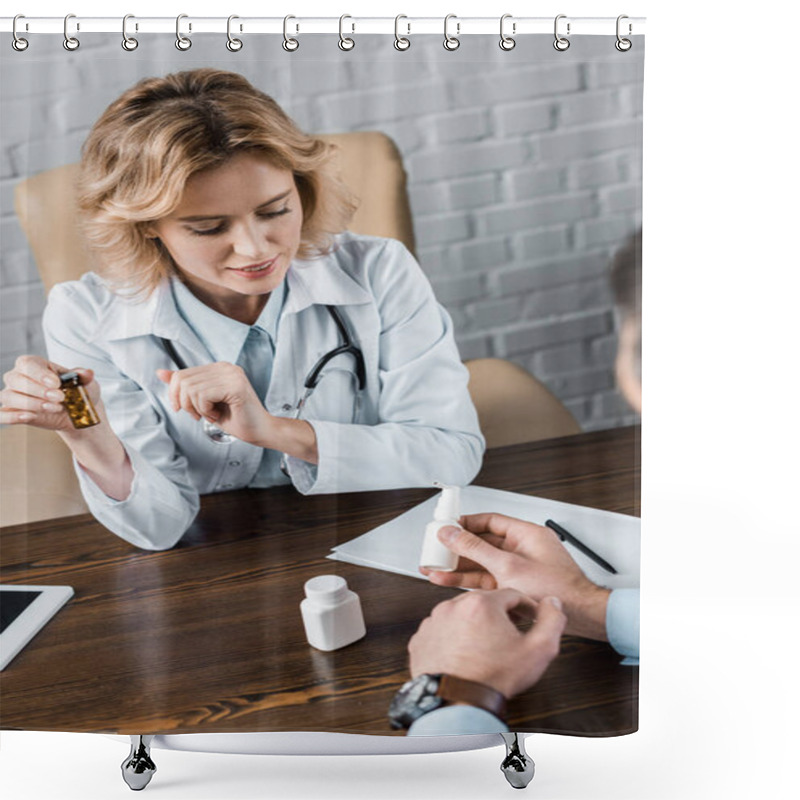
326,588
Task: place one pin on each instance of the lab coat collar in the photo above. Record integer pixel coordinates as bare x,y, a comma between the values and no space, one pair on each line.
321,281
129,316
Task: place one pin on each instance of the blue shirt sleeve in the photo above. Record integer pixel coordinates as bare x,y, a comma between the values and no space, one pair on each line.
451,720
622,623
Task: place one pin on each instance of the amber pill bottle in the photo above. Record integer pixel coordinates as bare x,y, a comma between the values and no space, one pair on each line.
76,400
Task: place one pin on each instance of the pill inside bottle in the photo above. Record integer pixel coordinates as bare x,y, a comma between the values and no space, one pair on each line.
76,401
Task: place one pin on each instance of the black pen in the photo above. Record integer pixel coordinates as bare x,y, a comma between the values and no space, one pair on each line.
566,536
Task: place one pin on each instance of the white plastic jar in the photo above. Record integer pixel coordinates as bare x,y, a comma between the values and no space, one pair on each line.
332,613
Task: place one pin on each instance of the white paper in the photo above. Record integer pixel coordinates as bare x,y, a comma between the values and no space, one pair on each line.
396,545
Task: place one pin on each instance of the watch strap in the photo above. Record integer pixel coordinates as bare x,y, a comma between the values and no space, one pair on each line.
459,690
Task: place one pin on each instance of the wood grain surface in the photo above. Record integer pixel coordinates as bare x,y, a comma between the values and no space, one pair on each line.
207,637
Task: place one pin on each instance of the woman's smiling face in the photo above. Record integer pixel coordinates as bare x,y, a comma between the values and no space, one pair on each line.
235,233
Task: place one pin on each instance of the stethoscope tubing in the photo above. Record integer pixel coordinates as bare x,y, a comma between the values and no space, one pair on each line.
315,373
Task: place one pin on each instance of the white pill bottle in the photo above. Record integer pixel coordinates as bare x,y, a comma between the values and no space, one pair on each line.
434,554
332,613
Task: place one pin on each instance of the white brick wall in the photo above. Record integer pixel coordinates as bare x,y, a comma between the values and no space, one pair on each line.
524,173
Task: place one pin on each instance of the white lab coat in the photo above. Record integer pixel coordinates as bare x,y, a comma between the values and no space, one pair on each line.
416,422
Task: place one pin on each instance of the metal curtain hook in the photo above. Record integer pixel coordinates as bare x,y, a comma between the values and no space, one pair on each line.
561,43
70,42
128,42
18,43
289,44
400,42
451,42
182,42
507,42
345,42
233,44
623,45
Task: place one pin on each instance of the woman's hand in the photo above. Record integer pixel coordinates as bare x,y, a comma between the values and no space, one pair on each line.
501,551
220,393
473,637
31,395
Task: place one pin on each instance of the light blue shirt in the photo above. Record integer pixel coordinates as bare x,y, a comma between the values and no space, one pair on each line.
452,720
622,623
224,337
251,347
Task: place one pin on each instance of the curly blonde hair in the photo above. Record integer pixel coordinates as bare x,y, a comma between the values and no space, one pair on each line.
140,153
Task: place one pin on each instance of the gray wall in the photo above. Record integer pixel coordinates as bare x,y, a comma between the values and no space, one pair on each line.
524,173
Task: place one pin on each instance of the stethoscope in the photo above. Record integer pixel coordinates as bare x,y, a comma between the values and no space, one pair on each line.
315,375
346,347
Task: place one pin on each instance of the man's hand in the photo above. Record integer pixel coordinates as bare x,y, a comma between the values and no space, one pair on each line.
501,551
473,637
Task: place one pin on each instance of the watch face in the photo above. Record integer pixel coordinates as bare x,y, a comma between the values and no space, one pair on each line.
415,698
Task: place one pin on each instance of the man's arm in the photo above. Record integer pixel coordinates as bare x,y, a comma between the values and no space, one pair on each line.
500,551
473,637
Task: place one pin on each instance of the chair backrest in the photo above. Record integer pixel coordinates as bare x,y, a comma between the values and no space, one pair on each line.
370,165
38,481
513,406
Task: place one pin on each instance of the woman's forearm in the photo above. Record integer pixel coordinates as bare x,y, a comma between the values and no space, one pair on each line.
295,437
103,458
357,458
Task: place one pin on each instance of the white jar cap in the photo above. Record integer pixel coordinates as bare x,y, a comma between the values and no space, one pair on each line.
326,588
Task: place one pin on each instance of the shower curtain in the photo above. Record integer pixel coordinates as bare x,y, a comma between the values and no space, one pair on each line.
521,165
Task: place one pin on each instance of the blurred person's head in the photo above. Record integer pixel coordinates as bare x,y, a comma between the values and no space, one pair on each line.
626,282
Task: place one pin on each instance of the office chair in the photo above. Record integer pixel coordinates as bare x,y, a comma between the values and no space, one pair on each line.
513,406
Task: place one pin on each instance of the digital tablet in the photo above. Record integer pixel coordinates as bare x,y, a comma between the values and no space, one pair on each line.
24,611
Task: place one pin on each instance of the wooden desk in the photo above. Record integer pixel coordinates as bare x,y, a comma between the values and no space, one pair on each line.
207,637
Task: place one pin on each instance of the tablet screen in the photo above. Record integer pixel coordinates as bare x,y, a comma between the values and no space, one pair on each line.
24,610
13,603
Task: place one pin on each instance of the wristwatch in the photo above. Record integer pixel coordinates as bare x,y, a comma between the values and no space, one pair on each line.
428,692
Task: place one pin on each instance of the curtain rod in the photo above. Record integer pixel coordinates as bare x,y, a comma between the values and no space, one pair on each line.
407,26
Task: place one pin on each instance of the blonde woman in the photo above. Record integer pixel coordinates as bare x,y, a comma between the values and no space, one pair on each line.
231,294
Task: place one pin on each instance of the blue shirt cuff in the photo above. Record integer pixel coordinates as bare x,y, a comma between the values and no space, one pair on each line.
453,720
622,623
